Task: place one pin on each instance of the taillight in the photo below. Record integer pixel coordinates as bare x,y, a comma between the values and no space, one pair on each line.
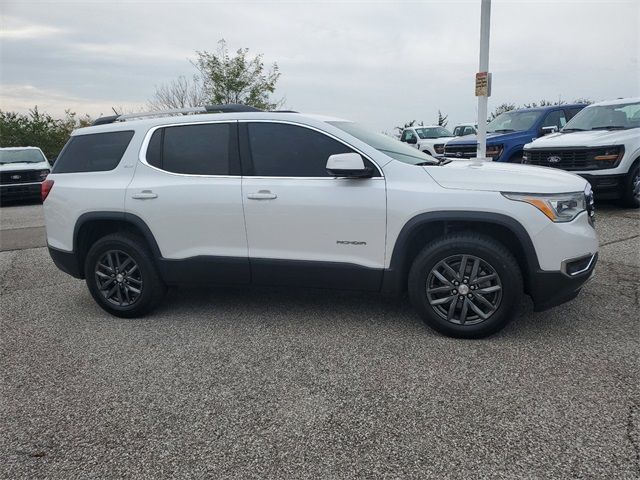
45,188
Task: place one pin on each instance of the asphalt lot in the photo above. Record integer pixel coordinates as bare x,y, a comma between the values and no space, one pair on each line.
280,383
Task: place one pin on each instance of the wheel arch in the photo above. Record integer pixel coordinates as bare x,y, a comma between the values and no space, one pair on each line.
91,226
425,227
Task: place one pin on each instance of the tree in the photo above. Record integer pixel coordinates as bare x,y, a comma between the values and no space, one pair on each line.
505,107
37,129
222,78
442,119
412,123
179,93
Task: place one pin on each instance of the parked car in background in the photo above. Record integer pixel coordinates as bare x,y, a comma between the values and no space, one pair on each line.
601,144
134,204
429,139
463,129
509,132
22,170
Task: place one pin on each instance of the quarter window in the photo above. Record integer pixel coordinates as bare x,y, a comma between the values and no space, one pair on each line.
192,149
284,150
96,152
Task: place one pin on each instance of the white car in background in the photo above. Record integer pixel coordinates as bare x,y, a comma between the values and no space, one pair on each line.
463,129
602,144
429,139
22,171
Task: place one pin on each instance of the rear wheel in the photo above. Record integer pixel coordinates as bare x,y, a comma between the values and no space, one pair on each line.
631,187
465,285
122,277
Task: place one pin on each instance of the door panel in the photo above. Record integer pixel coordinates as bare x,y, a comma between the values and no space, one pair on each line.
325,220
194,211
189,215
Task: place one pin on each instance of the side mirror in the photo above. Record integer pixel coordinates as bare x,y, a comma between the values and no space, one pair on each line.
349,165
412,140
548,130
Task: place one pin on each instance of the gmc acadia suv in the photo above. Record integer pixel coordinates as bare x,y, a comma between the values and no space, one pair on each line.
272,198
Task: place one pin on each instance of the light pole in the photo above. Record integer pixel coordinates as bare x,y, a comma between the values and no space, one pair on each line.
483,79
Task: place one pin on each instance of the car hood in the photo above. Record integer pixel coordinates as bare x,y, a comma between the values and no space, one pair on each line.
492,138
590,138
433,141
504,177
12,167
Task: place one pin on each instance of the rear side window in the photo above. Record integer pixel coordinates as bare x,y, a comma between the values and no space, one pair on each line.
283,150
96,152
192,149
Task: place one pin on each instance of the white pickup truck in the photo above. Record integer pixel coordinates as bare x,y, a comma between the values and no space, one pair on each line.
602,144
429,139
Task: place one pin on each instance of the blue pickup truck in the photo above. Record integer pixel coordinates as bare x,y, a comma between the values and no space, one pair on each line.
510,131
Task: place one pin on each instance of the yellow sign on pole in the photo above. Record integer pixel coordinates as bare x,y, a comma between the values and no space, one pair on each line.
483,84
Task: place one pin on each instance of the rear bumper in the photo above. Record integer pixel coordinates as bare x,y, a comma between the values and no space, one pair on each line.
18,190
67,262
549,289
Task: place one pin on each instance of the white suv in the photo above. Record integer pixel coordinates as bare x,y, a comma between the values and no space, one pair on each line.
602,144
268,198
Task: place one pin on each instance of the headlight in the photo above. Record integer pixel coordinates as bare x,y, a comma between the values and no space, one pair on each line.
525,157
494,150
439,148
609,154
43,174
561,207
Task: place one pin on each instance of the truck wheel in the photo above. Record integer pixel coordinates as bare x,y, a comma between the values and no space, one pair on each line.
465,285
631,187
122,277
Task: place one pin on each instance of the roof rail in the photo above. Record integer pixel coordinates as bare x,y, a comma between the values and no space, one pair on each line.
228,108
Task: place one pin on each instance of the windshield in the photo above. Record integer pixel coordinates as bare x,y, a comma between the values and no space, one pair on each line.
433,132
387,145
606,117
514,121
28,155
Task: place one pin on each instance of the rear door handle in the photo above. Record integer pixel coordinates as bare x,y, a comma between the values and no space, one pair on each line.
262,195
144,195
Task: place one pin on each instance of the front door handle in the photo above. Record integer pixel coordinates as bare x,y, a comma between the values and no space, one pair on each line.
144,195
262,195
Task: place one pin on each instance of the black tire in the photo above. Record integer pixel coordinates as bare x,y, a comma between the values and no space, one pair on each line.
630,198
151,287
492,255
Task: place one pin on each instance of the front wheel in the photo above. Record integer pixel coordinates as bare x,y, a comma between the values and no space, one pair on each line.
465,285
631,187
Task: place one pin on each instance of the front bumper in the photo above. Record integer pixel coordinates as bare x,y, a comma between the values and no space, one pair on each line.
20,190
605,184
549,289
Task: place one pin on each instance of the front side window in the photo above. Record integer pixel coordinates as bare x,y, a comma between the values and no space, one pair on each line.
192,149
284,150
555,119
95,152
407,135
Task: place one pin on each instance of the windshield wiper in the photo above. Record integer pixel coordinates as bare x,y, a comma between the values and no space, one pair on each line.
572,130
609,127
425,164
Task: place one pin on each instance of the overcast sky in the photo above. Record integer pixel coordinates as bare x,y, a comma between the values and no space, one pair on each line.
381,63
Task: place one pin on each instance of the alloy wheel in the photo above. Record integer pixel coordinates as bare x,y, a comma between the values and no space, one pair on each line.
118,278
464,289
635,185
